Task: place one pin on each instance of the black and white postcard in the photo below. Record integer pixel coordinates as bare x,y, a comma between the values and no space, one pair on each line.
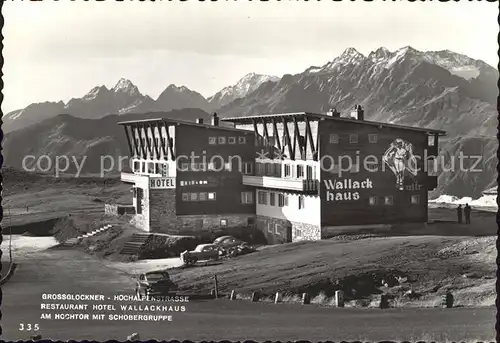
249,170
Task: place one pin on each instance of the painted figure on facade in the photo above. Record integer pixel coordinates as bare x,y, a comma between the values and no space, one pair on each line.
399,158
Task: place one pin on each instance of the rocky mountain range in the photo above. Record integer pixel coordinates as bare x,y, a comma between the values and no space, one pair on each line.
436,89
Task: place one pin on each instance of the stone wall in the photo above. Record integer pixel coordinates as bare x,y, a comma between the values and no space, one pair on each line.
163,217
141,220
111,209
279,231
238,225
116,209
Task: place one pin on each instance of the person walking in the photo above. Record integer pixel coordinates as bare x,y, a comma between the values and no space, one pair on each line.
459,214
467,210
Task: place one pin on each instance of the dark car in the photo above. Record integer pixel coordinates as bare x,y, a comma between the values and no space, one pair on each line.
232,246
203,252
155,283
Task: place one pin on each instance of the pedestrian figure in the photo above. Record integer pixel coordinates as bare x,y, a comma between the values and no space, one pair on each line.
467,210
459,214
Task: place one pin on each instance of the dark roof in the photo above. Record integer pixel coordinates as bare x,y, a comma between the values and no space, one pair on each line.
301,115
182,122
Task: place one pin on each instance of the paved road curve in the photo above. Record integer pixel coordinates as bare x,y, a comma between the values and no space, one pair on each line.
69,271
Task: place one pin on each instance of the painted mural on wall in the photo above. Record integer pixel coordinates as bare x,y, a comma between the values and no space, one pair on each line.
401,161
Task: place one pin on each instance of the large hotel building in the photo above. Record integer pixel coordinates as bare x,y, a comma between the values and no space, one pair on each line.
291,176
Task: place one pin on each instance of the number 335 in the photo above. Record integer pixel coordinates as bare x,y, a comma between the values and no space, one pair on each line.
28,327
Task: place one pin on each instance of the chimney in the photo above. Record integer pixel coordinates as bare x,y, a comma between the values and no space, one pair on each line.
354,112
361,113
199,120
332,112
215,119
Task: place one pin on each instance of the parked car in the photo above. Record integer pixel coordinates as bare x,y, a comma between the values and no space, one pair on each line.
201,253
232,246
155,283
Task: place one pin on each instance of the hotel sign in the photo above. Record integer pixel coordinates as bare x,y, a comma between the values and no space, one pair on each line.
161,182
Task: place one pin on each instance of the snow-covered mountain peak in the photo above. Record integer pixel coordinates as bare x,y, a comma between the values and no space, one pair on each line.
125,86
95,92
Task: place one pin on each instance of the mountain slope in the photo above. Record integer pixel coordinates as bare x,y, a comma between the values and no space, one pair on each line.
80,139
100,101
247,84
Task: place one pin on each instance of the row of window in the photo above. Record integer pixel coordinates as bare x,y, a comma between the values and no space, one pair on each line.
157,142
246,197
354,138
221,140
295,171
277,199
246,168
151,168
201,196
389,200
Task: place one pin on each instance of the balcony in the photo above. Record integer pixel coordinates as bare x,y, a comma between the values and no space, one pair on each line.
128,177
297,185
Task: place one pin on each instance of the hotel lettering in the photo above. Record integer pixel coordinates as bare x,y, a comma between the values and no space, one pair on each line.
345,189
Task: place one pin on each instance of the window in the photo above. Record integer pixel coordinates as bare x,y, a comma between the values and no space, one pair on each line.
223,222
211,196
353,138
242,140
281,200
182,183
430,141
372,138
277,228
389,200
203,196
250,221
193,197
143,165
157,168
221,140
262,198
137,166
231,140
261,168
269,228
247,197
373,201
134,192
334,138
300,170
301,202
247,168
415,199
287,170
298,233
185,196
151,168
212,140
272,199
309,172
277,169
270,169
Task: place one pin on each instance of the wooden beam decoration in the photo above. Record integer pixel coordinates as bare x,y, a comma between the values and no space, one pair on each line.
135,140
269,148
170,141
288,139
129,141
162,140
296,139
157,148
148,142
276,136
310,137
255,128
141,142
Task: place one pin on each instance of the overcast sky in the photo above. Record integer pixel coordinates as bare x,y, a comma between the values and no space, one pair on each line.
58,50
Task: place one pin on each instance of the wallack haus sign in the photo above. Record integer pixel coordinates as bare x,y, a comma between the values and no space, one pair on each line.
161,182
345,189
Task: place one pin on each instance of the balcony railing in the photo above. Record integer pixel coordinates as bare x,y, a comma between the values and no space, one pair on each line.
297,185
